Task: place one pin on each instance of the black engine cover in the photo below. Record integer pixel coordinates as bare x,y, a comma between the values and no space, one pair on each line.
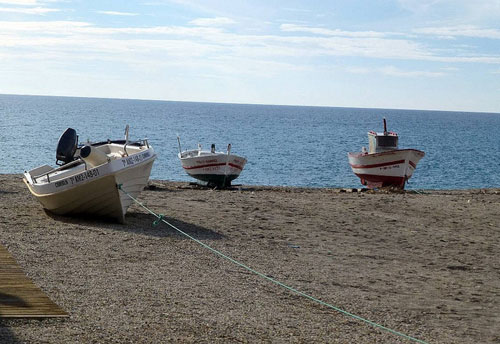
66,147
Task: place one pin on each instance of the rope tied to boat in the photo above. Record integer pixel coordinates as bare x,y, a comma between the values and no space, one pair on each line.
161,218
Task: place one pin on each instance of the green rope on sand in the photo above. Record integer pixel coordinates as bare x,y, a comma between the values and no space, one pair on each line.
157,221
161,219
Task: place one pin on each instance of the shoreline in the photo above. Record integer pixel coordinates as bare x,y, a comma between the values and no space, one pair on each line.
245,187
424,264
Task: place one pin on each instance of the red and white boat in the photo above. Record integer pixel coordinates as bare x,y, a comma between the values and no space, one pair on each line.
214,168
384,164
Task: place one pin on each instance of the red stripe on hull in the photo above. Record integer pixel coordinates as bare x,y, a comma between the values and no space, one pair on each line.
212,165
378,165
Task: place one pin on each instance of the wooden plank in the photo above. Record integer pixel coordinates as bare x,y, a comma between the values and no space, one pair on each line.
19,297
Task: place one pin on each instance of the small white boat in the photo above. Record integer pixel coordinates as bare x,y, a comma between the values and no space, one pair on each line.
215,168
384,164
87,179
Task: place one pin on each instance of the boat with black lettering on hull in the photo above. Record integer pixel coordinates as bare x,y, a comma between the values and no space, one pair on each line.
384,164
86,180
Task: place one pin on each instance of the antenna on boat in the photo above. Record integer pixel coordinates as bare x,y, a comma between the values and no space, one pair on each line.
385,127
179,142
227,162
126,133
126,140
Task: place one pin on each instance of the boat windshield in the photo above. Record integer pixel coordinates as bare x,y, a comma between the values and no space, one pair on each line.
387,141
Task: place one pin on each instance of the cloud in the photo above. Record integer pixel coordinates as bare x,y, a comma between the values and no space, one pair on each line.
72,28
217,21
20,2
27,2
329,32
33,10
84,39
358,70
393,71
451,69
460,31
466,8
41,28
115,13
27,7
420,6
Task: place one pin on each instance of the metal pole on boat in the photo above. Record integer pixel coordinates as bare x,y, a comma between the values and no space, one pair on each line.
126,133
179,142
385,127
126,140
227,162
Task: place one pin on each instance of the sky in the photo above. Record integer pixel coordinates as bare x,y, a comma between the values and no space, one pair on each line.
401,54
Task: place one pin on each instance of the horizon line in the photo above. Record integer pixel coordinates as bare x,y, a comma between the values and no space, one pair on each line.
237,103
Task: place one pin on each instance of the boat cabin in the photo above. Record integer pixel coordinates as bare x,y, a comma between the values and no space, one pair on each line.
382,142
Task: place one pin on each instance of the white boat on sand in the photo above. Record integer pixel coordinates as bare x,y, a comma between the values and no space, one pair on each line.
384,164
214,168
86,181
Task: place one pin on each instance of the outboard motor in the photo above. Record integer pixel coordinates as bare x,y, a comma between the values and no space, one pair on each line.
66,147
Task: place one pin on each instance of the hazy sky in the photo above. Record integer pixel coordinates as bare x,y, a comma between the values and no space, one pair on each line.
413,54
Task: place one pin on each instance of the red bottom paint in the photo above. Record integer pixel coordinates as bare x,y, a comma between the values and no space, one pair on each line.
376,181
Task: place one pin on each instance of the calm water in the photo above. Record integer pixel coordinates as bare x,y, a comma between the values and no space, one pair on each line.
284,145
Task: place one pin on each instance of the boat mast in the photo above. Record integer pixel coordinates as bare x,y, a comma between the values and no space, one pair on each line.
126,133
179,143
227,162
385,127
126,140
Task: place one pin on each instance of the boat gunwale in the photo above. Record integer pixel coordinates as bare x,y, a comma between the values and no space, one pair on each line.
207,155
389,152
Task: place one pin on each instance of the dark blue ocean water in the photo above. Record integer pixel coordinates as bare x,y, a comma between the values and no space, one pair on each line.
284,145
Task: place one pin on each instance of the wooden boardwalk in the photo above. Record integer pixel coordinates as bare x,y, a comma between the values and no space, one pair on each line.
19,297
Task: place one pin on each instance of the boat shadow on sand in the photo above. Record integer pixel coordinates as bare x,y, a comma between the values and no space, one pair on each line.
6,333
143,224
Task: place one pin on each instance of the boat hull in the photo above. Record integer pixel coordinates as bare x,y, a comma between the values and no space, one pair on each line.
391,168
218,169
94,191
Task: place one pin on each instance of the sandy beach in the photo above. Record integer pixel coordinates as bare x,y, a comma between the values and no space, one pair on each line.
424,264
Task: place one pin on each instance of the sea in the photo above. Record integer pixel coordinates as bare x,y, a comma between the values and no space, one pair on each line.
299,146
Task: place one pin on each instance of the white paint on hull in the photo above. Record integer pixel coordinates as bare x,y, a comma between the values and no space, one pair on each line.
396,163
84,190
391,167
217,164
